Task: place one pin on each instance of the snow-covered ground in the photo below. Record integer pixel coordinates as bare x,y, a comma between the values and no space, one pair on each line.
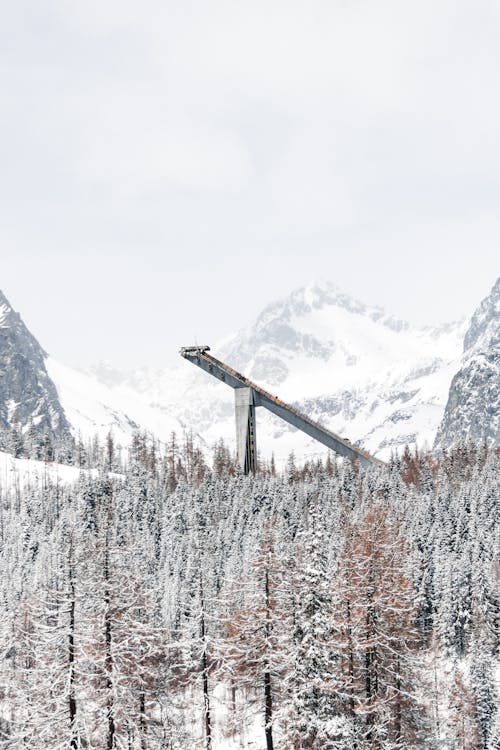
23,472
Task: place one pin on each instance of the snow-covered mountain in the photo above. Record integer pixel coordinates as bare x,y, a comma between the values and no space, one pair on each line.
102,400
372,378
28,397
473,407
369,376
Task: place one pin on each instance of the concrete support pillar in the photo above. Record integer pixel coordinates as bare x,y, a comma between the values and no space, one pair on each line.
246,448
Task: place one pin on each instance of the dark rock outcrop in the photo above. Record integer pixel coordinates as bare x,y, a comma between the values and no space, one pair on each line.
473,408
29,402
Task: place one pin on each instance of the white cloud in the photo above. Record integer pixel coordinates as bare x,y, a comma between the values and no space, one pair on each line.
139,148
309,190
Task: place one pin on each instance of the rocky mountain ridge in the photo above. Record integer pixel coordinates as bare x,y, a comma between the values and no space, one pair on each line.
28,397
473,406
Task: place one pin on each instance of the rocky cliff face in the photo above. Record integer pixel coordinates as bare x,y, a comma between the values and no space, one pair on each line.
28,397
473,407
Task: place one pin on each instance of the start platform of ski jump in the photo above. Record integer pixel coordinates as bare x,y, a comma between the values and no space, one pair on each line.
248,396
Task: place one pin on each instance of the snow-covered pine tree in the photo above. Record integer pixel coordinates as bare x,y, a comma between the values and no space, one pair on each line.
314,710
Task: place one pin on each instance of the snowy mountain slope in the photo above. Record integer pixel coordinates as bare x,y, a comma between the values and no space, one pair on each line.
24,472
28,397
95,407
473,407
372,378
368,376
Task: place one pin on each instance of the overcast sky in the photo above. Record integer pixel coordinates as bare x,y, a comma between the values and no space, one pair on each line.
168,168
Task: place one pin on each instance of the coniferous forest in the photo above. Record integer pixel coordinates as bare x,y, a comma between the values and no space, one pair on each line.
168,603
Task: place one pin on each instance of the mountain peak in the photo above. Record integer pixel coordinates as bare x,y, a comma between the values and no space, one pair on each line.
3,299
484,329
317,294
363,372
5,310
473,406
28,397
321,296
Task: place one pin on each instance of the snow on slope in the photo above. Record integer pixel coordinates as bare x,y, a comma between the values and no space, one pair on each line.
367,375
24,471
96,408
4,310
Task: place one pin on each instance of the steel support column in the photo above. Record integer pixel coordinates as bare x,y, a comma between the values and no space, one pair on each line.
246,449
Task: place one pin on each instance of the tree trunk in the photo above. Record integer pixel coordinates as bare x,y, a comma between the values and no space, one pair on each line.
204,672
109,656
142,719
370,678
71,660
436,705
351,670
269,710
268,696
399,707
